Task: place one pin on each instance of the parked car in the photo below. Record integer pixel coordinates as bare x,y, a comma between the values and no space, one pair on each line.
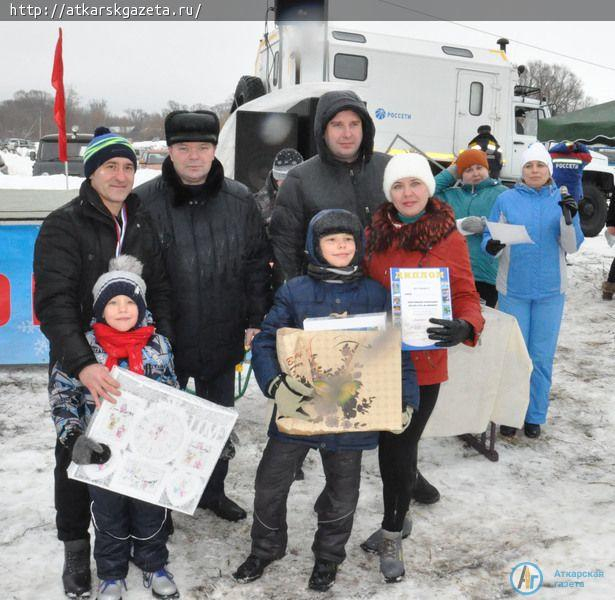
3,168
153,158
47,161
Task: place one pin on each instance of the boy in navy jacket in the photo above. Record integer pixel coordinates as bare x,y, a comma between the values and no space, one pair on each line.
334,284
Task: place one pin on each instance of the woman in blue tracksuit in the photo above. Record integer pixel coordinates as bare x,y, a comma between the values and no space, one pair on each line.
334,284
531,280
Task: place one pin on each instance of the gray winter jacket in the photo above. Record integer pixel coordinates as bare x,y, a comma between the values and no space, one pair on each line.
324,182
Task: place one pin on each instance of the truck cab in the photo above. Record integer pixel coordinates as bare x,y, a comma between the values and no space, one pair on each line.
47,159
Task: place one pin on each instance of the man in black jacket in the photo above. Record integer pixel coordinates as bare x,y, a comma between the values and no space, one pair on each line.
346,173
217,257
72,250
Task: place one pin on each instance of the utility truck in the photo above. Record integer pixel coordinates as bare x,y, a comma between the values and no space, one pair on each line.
423,96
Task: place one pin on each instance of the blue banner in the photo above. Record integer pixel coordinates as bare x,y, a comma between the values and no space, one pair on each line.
21,340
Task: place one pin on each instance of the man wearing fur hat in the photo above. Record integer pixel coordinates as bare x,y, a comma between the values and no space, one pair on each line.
72,250
346,173
217,255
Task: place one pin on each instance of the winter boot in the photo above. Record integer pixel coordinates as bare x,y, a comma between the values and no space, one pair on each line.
76,575
110,589
532,430
423,492
323,575
251,569
391,556
608,289
161,583
372,543
225,508
507,431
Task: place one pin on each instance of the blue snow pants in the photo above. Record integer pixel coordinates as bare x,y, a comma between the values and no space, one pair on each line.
121,524
539,321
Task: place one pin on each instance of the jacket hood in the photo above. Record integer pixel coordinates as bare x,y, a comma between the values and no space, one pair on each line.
346,221
328,106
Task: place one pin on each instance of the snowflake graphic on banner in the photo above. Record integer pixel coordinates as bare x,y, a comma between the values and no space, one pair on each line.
41,346
27,327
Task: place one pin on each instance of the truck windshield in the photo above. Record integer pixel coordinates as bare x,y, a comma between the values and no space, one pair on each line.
526,120
49,150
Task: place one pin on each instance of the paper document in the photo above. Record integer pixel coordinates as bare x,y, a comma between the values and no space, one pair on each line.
509,234
164,443
418,295
364,322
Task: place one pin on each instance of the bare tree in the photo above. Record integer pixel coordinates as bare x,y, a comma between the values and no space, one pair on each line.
561,88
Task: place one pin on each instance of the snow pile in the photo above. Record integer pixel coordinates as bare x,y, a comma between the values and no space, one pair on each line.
17,164
547,501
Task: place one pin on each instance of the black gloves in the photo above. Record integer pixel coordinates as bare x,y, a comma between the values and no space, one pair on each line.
494,247
85,451
569,205
450,333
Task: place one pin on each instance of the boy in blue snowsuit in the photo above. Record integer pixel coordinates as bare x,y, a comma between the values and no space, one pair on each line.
122,335
334,284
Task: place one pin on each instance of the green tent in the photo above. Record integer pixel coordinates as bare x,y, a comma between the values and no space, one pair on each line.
593,125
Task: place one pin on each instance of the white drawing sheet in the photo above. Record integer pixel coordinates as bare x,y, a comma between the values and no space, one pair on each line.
509,234
164,443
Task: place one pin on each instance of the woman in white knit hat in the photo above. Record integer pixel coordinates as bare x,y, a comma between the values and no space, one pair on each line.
415,229
531,280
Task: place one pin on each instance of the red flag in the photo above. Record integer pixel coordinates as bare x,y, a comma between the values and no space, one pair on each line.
59,108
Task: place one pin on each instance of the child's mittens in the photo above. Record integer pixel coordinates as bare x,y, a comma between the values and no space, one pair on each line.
86,451
289,393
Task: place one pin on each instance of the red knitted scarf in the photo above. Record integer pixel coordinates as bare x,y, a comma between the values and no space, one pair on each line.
123,344
387,231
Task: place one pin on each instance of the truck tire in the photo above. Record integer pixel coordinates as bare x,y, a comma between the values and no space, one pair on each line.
248,88
592,210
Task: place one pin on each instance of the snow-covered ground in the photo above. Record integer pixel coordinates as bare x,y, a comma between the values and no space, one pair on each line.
548,501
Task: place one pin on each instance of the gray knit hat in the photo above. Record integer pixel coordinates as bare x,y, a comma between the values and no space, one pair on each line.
122,279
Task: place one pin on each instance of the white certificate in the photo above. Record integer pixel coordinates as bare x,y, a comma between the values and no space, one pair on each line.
363,322
164,443
509,234
418,295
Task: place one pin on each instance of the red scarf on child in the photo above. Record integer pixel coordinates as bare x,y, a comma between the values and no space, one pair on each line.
123,344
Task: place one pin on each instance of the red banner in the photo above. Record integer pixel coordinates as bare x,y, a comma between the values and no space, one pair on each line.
59,108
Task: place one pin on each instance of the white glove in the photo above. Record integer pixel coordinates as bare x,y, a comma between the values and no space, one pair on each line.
474,224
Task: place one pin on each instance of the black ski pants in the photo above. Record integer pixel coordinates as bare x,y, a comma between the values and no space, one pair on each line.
122,523
72,500
335,505
398,455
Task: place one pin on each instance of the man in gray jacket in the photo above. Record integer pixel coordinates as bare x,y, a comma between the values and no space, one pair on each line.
346,173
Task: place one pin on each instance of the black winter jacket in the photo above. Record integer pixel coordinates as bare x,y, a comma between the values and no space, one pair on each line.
72,250
324,182
217,256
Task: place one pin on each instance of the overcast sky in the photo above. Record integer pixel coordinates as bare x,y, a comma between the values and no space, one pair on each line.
143,65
